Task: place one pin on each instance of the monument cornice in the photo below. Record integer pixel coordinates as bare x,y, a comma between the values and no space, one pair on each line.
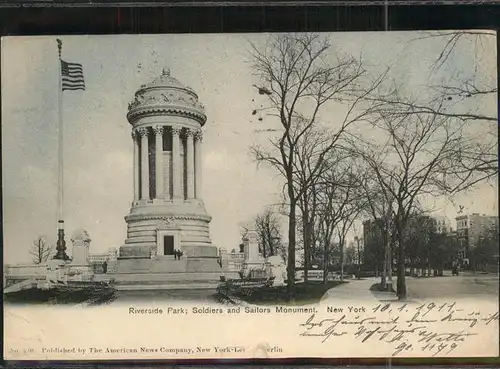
136,217
134,115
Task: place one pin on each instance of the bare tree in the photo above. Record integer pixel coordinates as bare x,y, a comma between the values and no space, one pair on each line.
311,149
460,89
412,160
337,204
419,234
267,225
378,206
474,160
298,81
40,250
349,214
440,142
327,218
469,96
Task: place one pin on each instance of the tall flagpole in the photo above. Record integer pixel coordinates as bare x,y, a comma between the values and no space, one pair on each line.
61,243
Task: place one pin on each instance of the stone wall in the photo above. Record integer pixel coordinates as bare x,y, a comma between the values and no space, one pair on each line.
234,261
23,270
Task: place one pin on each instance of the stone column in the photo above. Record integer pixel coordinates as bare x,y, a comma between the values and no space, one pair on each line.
143,132
159,160
190,164
198,139
176,163
135,138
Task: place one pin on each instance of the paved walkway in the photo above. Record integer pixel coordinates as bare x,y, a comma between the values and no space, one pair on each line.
466,285
356,290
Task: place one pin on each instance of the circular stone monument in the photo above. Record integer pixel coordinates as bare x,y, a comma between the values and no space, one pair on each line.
167,223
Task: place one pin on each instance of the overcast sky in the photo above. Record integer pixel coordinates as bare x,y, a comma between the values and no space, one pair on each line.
97,142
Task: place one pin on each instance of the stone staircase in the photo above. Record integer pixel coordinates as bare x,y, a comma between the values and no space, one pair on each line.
151,266
161,281
166,265
164,272
145,278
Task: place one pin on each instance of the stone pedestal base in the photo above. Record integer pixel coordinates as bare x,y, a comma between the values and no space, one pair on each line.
57,270
84,271
165,270
136,252
158,229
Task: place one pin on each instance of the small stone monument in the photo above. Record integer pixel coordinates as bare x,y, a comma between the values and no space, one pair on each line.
278,270
81,244
252,260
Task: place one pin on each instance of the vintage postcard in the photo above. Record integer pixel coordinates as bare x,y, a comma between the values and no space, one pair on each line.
205,196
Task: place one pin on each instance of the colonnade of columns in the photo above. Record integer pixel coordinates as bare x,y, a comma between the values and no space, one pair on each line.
192,165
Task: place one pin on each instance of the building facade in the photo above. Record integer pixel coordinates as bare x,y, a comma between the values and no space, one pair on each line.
470,229
443,224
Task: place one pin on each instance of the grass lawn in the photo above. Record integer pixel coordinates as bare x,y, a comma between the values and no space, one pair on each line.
306,293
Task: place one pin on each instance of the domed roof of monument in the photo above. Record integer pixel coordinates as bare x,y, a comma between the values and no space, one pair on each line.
166,95
165,80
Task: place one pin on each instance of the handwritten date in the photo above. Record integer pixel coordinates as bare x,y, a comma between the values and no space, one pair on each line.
430,328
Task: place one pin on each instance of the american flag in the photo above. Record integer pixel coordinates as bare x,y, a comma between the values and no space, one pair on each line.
72,76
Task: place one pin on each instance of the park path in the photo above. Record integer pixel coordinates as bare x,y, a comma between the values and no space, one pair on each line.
467,285
357,290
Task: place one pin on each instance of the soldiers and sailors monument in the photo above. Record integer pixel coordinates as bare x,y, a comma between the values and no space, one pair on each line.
167,244
168,228
167,215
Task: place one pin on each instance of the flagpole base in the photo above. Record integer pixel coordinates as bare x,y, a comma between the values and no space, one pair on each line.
61,246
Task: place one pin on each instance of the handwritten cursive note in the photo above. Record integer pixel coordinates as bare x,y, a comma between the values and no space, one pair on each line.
434,329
